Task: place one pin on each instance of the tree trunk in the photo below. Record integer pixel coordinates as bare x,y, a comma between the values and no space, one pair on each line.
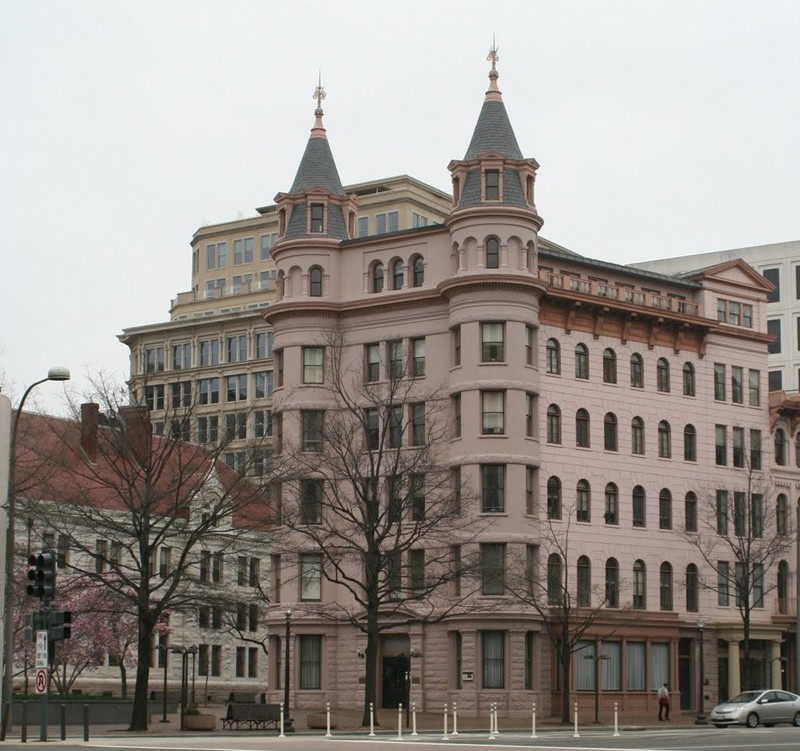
565,661
140,697
746,685
123,678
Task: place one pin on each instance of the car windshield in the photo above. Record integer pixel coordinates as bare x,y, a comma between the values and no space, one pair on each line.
745,698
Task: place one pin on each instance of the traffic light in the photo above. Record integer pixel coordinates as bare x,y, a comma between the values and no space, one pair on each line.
42,575
60,625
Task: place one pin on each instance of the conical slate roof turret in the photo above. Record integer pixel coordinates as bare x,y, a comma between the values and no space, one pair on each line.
493,131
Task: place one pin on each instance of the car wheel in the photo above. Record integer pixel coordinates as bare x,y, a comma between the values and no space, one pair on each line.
752,720
796,720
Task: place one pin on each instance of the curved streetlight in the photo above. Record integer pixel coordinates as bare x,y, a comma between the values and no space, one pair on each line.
54,374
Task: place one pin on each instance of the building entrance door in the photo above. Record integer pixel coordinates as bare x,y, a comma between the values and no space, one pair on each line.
395,685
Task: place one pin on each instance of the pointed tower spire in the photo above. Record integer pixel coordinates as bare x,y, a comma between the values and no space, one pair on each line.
317,168
493,131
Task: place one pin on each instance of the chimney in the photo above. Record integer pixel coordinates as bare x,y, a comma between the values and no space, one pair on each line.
138,432
89,420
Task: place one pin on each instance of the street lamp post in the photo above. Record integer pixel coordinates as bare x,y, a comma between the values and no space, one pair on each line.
701,698
165,651
597,659
54,374
287,720
411,653
193,652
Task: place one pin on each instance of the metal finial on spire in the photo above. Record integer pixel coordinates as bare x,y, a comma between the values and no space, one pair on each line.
319,92
493,56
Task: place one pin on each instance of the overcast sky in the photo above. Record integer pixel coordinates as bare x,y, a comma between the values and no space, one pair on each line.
662,128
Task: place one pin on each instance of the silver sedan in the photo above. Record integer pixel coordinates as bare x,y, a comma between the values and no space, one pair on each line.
767,707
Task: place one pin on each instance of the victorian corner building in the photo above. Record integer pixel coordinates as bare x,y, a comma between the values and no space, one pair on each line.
604,417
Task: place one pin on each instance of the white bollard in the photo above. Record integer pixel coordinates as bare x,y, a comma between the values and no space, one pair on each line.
371,720
445,736
533,720
399,722
575,734
496,726
455,719
328,713
414,718
616,721
281,733
491,722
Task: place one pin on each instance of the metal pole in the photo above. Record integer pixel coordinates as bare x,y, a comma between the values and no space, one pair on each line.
193,650
701,703
797,605
286,673
165,650
597,690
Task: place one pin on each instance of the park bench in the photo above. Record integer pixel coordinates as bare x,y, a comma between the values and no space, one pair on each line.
254,716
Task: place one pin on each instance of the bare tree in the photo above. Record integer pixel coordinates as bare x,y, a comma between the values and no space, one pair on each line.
378,503
740,537
568,608
146,518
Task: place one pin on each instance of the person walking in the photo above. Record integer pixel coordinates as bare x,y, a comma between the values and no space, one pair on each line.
663,703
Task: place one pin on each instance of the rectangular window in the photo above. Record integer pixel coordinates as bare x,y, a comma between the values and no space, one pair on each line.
754,384
531,480
395,358
209,391
493,412
774,276
263,384
493,566
492,342
455,401
659,665
737,384
154,359
455,339
181,356
416,496
493,648
236,388
738,447
363,226
240,651
310,662
310,576
721,445
493,477
313,427
417,573
492,184
719,382
252,662
372,362
585,662
237,348
774,330
313,364
530,421
530,340
266,247
216,660
417,414
755,449
181,394
722,512
311,501
154,395
418,357
209,352
636,665
758,585
235,426
775,380
395,427
757,514
380,224
723,577
739,514
217,567
317,217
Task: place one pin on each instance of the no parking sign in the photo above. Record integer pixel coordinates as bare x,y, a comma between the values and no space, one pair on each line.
41,681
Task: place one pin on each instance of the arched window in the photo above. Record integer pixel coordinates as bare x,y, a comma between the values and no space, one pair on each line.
554,591
612,583
315,281
553,498
690,443
611,515
582,428
665,509
637,435
584,582
610,432
780,447
638,500
782,515
688,379
583,501
492,253
639,585
783,587
691,588
417,272
397,274
377,277
662,374
553,357
553,424
664,440
609,366
690,512
581,361
637,371
665,580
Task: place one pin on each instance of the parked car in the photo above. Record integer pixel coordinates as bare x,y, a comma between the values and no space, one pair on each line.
752,708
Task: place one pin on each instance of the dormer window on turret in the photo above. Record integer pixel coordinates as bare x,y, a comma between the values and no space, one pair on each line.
317,218
491,185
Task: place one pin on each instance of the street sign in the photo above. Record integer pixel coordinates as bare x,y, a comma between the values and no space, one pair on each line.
41,650
41,681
